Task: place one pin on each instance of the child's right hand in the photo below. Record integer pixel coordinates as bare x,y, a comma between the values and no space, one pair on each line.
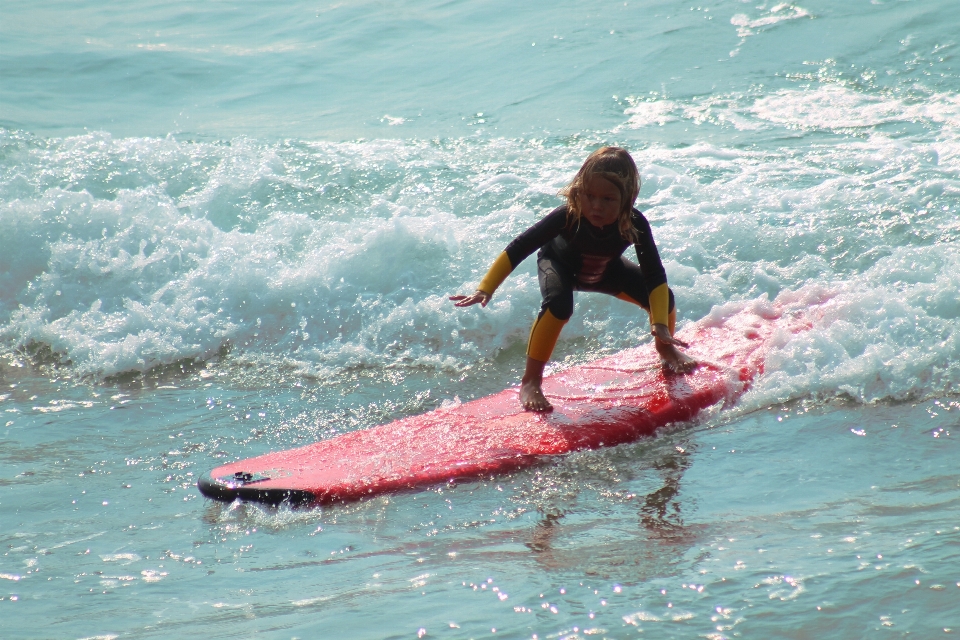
477,296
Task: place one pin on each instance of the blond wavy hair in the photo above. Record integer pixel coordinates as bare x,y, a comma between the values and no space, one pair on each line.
616,166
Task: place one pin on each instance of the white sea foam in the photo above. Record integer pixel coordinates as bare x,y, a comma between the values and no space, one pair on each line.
748,26
648,113
123,558
129,254
139,278
834,106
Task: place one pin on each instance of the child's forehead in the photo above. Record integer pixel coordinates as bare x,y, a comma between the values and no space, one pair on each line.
594,182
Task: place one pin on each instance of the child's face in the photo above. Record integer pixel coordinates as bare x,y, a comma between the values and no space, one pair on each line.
599,201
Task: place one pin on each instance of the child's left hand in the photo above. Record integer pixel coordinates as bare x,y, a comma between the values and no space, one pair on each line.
662,333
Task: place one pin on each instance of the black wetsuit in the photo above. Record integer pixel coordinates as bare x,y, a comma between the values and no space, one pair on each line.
588,258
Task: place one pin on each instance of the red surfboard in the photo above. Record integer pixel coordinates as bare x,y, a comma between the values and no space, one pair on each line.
611,401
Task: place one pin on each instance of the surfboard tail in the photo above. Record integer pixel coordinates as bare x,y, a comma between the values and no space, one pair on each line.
242,486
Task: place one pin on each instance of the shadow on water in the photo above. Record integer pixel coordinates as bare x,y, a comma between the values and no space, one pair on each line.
574,538
660,513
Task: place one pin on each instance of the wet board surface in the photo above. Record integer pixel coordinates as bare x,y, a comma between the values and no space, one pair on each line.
611,401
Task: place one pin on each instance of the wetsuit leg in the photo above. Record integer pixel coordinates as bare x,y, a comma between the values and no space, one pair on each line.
556,286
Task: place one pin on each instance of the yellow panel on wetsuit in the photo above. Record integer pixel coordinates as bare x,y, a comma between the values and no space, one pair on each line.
543,336
498,272
660,305
659,301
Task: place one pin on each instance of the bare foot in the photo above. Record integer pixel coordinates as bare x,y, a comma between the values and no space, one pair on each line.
531,389
532,398
674,359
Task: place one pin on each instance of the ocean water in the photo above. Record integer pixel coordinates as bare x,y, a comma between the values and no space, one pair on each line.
228,228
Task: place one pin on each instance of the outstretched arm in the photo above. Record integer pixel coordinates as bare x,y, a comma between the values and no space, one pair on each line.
495,276
521,247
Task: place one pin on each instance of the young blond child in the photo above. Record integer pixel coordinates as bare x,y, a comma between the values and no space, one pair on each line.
580,249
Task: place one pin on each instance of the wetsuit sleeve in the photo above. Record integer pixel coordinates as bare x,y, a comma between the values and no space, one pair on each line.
497,273
654,275
522,246
660,305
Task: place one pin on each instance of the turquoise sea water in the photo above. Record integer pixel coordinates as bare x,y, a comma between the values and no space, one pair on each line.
228,228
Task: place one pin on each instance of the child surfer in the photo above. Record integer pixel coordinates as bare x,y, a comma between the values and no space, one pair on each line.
580,248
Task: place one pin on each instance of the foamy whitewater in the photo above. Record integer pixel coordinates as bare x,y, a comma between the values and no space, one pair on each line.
227,230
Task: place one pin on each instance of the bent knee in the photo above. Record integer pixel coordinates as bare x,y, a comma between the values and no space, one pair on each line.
561,308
